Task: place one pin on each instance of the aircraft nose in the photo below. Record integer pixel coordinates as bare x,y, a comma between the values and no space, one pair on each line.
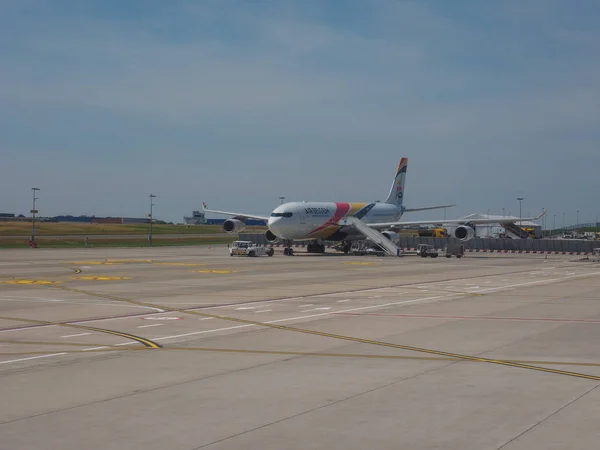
276,226
272,223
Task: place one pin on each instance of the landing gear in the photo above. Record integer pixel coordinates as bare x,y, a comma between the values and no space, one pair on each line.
288,250
344,246
315,247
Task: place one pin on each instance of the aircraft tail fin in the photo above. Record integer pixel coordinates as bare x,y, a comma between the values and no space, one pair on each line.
396,195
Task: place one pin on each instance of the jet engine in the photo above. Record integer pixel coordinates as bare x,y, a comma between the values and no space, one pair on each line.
233,226
392,236
270,236
464,233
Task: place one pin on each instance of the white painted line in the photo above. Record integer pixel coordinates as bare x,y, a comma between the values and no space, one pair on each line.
30,358
353,291
342,301
405,302
27,328
376,296
263,310
151,325
88,349
302,317
304,306
547,281
73,335
207,318
161,318
247,307
73,302
530,283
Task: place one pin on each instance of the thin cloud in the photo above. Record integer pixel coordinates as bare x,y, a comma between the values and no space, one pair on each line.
172,100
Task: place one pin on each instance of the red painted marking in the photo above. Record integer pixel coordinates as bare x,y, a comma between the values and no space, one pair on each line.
341,209
432,316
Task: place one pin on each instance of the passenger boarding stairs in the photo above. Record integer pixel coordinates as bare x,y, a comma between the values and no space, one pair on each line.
388,246
515,231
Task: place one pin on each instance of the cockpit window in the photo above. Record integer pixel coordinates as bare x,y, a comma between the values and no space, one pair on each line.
285,214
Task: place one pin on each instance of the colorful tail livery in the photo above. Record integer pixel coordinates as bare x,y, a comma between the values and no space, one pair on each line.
396,195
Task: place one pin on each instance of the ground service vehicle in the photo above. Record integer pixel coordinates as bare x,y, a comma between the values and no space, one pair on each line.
425,250
530,231
363,248
434,232
454,249
249,248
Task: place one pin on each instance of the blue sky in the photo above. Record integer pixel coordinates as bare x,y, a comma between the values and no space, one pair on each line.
239,102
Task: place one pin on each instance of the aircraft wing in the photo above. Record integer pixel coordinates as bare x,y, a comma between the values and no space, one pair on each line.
451,222
241,215
428,208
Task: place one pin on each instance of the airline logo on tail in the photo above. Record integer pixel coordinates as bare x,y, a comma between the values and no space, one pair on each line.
397,191
402,166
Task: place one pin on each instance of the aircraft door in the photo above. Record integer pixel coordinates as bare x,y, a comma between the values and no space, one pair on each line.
302,220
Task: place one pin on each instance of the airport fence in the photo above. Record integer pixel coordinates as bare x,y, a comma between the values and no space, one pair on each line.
507,245
562,246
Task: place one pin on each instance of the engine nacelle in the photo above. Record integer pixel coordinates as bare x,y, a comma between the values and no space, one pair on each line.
233,226
270,236
392,236
464,233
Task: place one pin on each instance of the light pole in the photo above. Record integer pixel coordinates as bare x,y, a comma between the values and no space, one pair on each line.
564,214
151,205
503,212
543,222
33,212
281,199
554,225
520,215
578,219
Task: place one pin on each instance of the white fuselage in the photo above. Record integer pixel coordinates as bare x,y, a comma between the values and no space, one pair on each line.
319,220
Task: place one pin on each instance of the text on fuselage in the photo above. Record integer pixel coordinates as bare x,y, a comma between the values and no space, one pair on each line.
316,211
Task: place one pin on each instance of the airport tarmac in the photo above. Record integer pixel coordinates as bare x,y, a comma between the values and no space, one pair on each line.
188,348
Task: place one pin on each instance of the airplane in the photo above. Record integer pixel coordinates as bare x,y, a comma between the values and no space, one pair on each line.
325,221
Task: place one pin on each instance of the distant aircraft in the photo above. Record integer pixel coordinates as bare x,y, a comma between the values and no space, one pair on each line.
346,222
